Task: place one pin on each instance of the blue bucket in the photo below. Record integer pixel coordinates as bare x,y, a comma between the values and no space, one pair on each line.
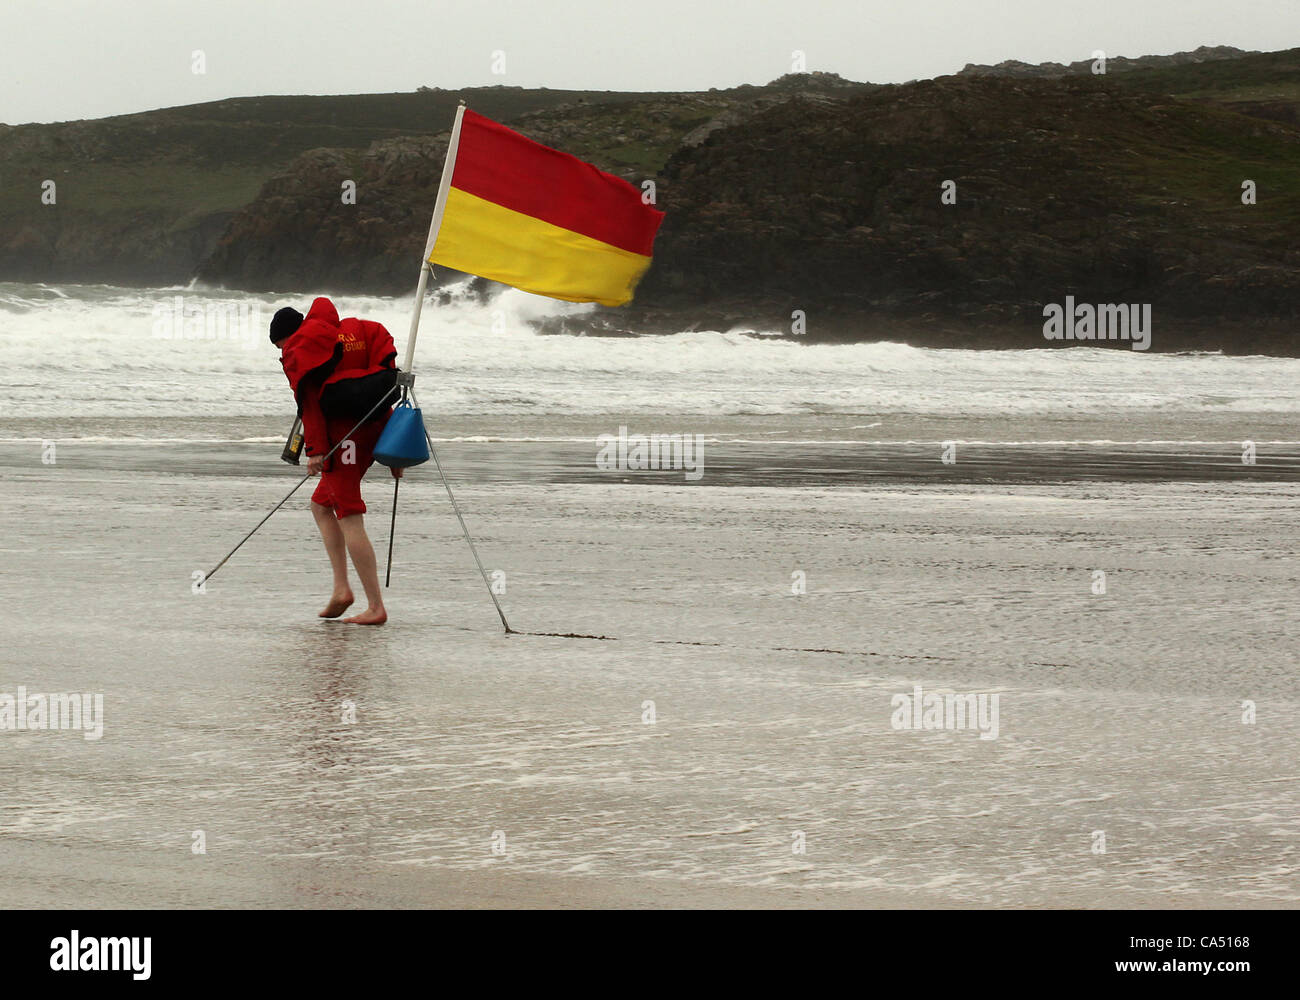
403,443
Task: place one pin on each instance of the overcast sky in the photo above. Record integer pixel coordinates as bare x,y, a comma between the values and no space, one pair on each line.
67,59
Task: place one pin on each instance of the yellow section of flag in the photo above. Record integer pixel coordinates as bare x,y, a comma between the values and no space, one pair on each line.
484,238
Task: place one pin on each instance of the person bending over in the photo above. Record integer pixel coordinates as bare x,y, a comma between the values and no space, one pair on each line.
338,370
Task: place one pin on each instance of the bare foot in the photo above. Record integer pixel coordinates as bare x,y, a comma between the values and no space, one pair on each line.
337,605
371,616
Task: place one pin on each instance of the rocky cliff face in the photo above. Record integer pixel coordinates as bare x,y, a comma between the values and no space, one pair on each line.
1065,187
137,198
297,233
145,198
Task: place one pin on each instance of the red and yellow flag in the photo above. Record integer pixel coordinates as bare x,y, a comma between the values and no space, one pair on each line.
541,220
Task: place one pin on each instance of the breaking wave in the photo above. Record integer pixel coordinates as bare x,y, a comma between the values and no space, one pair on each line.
92,350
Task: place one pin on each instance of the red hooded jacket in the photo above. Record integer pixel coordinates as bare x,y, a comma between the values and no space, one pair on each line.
325,350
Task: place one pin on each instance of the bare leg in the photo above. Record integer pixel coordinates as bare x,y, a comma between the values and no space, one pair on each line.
363,559
332,535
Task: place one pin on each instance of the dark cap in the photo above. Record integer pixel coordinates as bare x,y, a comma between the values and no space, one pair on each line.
285,323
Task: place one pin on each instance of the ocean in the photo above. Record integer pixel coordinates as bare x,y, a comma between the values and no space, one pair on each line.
1102,539
101,351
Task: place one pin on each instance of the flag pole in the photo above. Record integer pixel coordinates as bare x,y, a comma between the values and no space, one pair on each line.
440,206
407,379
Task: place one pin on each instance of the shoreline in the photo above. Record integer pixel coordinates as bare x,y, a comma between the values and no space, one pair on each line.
179,880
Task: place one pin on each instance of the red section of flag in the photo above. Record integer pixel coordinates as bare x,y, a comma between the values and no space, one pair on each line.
499,165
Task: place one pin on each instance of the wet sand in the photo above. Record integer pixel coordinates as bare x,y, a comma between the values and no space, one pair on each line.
225,711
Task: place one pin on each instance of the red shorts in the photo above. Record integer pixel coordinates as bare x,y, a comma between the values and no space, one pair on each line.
340,482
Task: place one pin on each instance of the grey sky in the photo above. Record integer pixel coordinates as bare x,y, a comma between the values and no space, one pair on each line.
66,59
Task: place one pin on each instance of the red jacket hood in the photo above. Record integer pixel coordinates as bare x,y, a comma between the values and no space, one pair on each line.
322,309
313,345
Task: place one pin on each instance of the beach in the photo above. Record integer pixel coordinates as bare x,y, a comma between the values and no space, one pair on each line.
730,741
895,627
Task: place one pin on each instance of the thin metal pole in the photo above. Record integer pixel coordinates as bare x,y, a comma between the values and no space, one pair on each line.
392,530
349,434
456,507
